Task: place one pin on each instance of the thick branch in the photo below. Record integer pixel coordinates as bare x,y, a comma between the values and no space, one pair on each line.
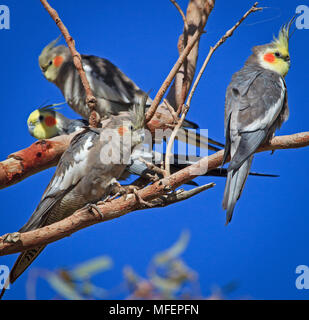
39,156
91,101
118,207
155,103
198,12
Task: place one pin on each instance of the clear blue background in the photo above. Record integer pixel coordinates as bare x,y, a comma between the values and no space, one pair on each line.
268,237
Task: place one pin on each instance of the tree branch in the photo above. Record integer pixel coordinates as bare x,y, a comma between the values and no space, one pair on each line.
41,155
186,107
121,206
155,103
198,12
91,101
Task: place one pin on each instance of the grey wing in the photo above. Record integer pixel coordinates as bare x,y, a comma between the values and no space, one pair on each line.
108,81
254,115
76,125
71,168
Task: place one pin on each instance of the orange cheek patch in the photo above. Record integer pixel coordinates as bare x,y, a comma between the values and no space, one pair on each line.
58,61
269,57
50,121
122,131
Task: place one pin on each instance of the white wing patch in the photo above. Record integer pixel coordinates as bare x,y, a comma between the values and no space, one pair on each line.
68,86
75,171
271,114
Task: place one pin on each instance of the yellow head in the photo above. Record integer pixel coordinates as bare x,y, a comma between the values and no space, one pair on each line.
52,58
42,123
275,56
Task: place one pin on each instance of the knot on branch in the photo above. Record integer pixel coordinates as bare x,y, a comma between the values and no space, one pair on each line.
91,102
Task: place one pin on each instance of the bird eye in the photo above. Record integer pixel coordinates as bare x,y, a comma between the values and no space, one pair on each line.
41,118
130,127
50,63
277,54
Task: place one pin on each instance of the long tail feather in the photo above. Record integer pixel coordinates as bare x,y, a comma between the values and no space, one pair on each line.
234,186
195,139
22,263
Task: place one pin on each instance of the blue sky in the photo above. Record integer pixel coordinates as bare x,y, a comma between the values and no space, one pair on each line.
268,237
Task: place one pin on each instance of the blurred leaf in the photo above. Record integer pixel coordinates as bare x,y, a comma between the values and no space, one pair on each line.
131,277
64,289
89,289
175,251
165,284
87,269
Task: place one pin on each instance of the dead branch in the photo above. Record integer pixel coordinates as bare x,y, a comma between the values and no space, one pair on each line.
41,155
91,100
185,23
228,34
155,103
121,206
197,15
186,107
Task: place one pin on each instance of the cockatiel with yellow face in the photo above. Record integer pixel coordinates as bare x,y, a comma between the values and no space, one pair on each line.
86,173
46,123
113,90
256,105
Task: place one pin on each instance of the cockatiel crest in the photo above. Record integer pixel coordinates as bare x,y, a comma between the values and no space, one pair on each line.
52,58
256,105
275,56
46,123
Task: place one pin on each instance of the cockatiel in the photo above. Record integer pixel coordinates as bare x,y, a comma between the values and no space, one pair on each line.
46,123
113,90
256,105
87,172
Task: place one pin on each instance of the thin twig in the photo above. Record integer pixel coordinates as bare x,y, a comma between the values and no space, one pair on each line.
181,13
91,101
228,34
154,168
172,139
179,195
171,110
155,103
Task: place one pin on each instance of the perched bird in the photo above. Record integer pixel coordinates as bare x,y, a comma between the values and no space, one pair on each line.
87,171
46,123
113,90
256,105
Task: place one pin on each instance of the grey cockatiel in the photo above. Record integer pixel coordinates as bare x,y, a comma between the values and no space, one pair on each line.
46,123
86,173
256,105
114,91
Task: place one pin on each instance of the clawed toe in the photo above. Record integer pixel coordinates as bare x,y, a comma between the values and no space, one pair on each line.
92,207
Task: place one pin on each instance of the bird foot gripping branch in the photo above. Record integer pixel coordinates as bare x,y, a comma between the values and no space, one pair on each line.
120,190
